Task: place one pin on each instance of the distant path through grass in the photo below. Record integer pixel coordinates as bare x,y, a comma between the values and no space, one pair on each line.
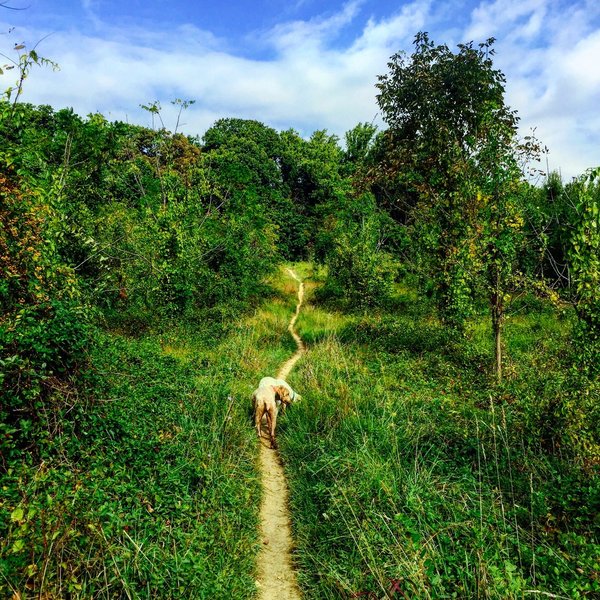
285,369
277,578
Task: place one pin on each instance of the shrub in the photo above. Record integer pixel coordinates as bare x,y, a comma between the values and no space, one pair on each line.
360,273
43,325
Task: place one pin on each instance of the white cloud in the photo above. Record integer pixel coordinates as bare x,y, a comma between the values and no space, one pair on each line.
549,53
549,57
311,35
90,8
308,85
490,18
389,34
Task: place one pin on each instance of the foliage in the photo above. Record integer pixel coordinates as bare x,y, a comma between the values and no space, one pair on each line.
360,271
153,226
43,324
147,491
423,476
359,142
25,61
312,173
452,140
584,260
549,215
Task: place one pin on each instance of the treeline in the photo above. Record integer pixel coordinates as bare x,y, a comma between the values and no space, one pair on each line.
136,225
133,226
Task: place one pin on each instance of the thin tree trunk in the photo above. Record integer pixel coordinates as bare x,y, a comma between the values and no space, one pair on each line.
497,319
498,347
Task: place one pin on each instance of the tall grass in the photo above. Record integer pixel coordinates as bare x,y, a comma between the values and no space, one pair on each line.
412,475
149,487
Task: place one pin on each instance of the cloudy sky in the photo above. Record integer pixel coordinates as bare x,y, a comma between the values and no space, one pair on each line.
306,64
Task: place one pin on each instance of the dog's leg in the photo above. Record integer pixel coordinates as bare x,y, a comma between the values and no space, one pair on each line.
272,425
258,414
268,419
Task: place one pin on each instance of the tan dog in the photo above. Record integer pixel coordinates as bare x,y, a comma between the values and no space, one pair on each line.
292,397
264,400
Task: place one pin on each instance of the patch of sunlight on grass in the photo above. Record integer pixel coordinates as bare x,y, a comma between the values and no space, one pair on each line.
314,324
179,352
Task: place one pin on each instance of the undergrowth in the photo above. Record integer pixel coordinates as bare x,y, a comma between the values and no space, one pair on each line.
147,487
412,474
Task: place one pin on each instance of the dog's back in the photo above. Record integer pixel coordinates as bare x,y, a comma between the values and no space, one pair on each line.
280,382
263,395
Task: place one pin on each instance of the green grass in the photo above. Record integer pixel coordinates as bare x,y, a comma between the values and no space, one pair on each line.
409,467
146,494
149,488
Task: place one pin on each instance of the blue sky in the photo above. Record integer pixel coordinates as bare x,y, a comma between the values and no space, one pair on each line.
306,64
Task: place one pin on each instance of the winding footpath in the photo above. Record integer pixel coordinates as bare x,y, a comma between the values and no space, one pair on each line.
276,577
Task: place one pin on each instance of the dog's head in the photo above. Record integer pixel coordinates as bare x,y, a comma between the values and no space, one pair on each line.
282,394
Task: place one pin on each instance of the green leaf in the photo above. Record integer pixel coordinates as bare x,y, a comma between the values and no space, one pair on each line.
17,514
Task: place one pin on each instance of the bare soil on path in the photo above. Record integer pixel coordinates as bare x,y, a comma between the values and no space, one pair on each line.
276,576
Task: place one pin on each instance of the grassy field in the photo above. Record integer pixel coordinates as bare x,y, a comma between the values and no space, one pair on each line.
149,487
413,475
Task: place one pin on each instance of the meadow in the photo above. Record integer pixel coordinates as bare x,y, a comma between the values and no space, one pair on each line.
414,474
152,490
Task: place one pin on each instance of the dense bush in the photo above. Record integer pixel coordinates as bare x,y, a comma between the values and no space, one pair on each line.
360,271
584,260
43,323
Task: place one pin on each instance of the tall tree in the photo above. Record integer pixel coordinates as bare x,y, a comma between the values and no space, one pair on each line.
452,143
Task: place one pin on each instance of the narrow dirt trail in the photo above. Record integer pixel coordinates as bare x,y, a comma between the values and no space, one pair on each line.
276,576
285,369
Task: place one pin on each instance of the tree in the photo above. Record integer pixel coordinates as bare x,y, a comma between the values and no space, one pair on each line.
548,220
313,177
165,147
452,145
359,142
